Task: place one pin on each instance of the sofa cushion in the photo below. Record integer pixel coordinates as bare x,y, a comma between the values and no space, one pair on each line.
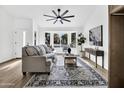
48,50
31,51
38,50
42,50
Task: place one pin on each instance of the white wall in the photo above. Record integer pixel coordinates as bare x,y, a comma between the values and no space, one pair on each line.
98,17
10,24
24,24
6,36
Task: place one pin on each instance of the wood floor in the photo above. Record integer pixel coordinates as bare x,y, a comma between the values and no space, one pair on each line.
11,74
99,69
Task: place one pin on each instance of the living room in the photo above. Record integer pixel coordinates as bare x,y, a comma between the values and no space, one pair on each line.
56,46
21,27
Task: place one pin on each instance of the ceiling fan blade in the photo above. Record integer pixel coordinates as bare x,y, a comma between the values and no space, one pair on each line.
65,20
61,21
64,13
54,13
50,19
54,21
68,16
49,16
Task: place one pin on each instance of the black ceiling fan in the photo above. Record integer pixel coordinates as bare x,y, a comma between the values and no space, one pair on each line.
59,17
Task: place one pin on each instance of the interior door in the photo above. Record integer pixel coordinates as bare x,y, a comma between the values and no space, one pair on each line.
19,43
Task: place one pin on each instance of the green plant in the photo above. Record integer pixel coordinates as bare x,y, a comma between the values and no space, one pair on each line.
81,40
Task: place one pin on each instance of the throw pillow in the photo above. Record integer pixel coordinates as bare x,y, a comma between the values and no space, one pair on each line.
42,50
46,48
31,51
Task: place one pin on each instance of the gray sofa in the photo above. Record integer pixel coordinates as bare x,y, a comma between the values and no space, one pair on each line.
37,59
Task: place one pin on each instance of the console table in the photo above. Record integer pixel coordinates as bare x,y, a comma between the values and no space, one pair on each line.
96,53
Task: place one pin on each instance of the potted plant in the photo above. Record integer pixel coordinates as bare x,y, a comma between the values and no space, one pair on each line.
81,40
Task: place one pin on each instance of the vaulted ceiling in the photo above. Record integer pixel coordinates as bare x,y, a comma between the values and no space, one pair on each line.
36,12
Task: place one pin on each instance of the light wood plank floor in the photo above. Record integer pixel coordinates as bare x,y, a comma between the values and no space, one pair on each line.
103,72
11,74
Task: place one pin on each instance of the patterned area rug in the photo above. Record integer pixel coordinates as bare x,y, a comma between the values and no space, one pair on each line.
60,76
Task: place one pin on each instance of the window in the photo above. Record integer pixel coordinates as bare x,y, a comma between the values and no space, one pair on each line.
60,39
47,39
56,40
73,40
64,39
24,38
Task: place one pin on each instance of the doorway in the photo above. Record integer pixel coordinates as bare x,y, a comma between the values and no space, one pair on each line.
20,41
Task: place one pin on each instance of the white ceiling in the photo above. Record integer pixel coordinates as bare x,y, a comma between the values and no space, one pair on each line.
81,12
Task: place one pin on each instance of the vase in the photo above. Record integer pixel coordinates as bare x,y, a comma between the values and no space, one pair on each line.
69,50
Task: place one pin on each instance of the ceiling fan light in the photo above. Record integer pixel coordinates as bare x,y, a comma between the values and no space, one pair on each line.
59,17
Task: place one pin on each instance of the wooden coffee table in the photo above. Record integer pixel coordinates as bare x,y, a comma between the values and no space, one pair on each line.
70,60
